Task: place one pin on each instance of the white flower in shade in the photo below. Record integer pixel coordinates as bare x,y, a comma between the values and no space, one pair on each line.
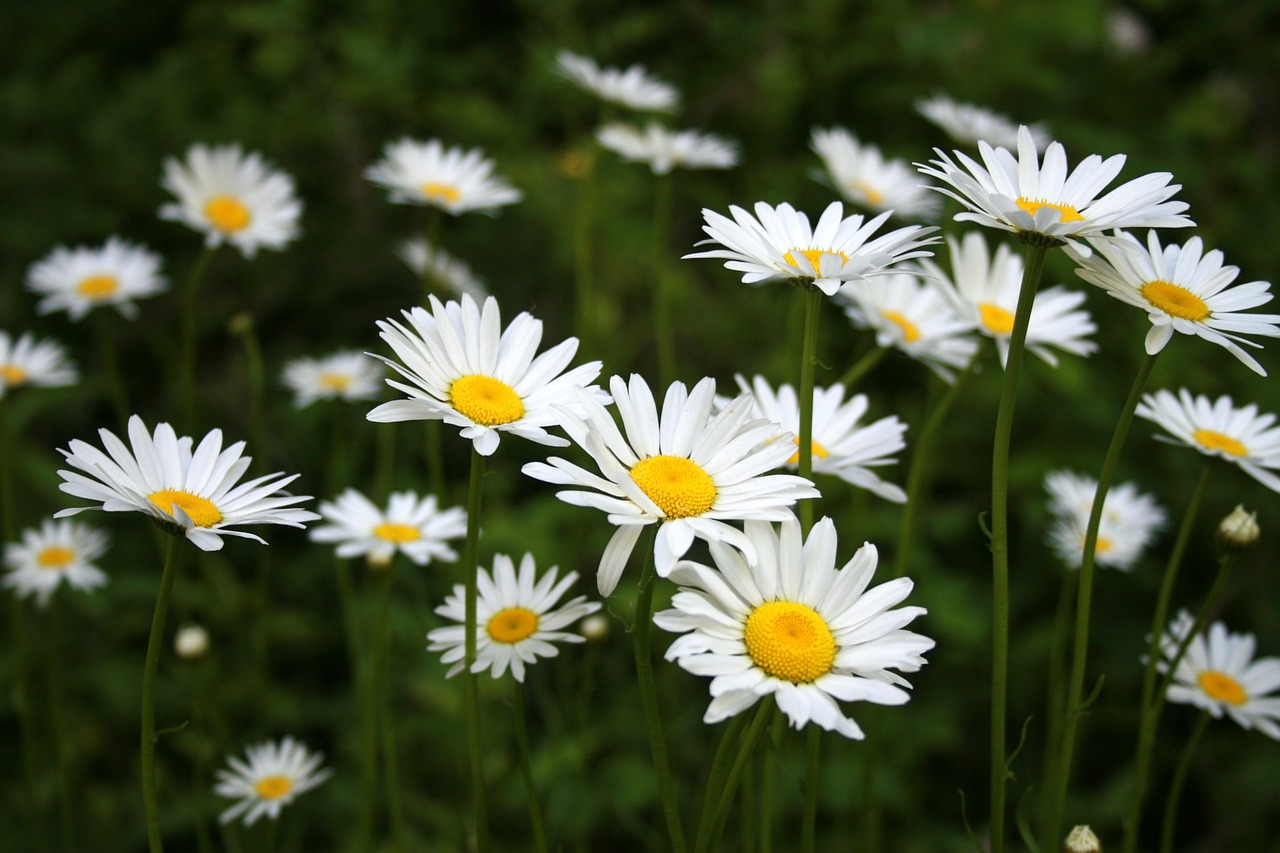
864,176
1218,428
1218,673
80,279
632,87
842,446
276,773
346,375
191,642
969,124
1183,289
416,527
792,625
232,197
663,150
1129,520
519,619
59,552
779,243
40,364
683,468
454,179
442,268
984,292
192,493
1043,204
913,315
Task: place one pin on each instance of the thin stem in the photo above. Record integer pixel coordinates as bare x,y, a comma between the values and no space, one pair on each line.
154,643
720,767
778,729
1057,692
386,461
6,473
243,325
808,363
381,699
435,220
582,254
470,567
663,332
435,457
763,714
526,767
1175,787
187,360
58,726
809,823
111,367
862,366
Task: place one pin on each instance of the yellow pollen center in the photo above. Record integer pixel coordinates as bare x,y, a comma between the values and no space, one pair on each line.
1222,687
98,286
202,512
677,485
789,641
487,401
814,256
273,787
910,332
1102,546
512,625
1210,440
873,197
996,320
1176,301
818,452
442,192
227,213
397,533
13,374
337,382
1069,213
55,557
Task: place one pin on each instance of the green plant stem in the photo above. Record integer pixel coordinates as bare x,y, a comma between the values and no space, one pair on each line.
663,331
381,701
6,473
187,359
763,714
720,767
526,767
58,727
435,221
873,721
470,567
154,642
809,824
257,385
386,462
808,363
273,833
583,255
862,366
435,458
777,730
1175,787
111,367
1057,691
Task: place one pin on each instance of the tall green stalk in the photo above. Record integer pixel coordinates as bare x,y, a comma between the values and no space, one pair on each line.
526,767
663,330
809,825
808,363
58,727
748,747
111,367
862,366
470,567
1175,787
435,220
382,691
720,766
187,353
583,273
154,642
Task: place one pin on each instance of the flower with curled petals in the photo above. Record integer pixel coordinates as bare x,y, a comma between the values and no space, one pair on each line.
413,526
1217,428
275,774
864,176
970,124
454,179
1129,520
28,362
663,150
633,87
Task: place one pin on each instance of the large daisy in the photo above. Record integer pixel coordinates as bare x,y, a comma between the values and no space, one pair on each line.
81,279
275,774
59,552
40,364
456,180
970,124
632,87
348,375
416,527
1129,520
662,149
1217,428
864,176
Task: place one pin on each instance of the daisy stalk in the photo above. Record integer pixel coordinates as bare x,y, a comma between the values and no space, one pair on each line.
149,736
863,366
187,351
808,363
526,766
663,332
58,728
470,688
379,699
723,785
1179,777
111,367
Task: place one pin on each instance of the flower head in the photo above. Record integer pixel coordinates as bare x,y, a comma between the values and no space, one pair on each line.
1217,428
416,527
59,552
1239,530
276,773
348,375
663,150
1129,520
969,124
456,180
453,274
40,364
633,87
80,279
191,642
863,175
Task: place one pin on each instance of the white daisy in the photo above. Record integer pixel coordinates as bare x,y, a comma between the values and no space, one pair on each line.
414,526
191,493
1182,289
1129,521
456,180
792,625
60,551
663,150
444,269
633,87
465,370
683,469
40,364
232,197
345,375
520,620
274,776
1218,428
970,124
80,279
779,243
863,175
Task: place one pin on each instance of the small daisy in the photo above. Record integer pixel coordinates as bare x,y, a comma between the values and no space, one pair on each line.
60,551
792,625
969,124
1218,428
414,526
663,150
275,775
443,268
453,179
779,243
683,469
346,375
465,370
1129,521
863,175
519,614
1182,289
232,197
40,364
633,87
80,279
1042,204
189,493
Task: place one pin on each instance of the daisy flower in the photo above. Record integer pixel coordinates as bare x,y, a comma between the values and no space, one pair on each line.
345,375
1129,520
779,243
464,369
232,197
970,124
189,493
41,364
444,269
519,614
1182,289
663,150
1043,204
793,625
60,551
1218,428
276,773
684,469
863,175
414,526
453,179
80,279
633,87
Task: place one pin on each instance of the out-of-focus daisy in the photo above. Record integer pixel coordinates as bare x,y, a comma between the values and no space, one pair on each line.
80,279
1043,204
194,494
454,179
519,619
59,552
26,361
779,243
984,292
1218,428
463,368
969,124
682,468
1129,520
1182,289
414,526
792,625
191,642
232,197
663,150
346,375
444,269
864,176
276,773
632,87
1219,674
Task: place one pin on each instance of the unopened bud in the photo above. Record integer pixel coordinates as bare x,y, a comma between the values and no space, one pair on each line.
379,562
191,642
1239,531
1082,840
595,627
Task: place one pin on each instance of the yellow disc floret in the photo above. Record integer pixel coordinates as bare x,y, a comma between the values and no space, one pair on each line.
13,374
814,256
397,533
96,287
1176,301
273,787
874,197
512,625
227,213
1222,687
441,192
55,557
1210,440
487,401
338,383
677,485
995,319
789,641
1069,213
200,510
910,332
818,452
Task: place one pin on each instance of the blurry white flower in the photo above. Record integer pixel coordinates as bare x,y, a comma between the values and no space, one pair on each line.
414,526
663,150
633,87
274,776
969,124
80,279
444,269
864,176
40,364
346,375
59,552
454,179
1129,521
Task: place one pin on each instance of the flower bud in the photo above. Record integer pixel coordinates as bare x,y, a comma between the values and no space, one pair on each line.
191,642
595,627
1239,531
1082,840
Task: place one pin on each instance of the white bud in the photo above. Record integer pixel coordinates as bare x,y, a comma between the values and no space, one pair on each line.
191,642
595,627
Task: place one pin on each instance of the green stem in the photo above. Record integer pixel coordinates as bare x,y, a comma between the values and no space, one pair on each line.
6,473
470,567
526,767
386,462
187,359
663,332
382,701
154,642
58,726
1057,692
435,458
862,366
809,824
1175,787
808,363
111,368
273,833
435,220
257,382
778,729
582,254
749,741
720,767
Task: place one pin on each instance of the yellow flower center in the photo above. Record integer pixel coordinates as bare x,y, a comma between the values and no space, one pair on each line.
814,256
397,533
1102,546
677,485
201,511
336,382
818,452
1176,301
512,625
273,787
55,557
1069,213
910,332
1211,440
13,374
873,197
789,641
996,320
1222,687
98,286
487,401
441,192
227,213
